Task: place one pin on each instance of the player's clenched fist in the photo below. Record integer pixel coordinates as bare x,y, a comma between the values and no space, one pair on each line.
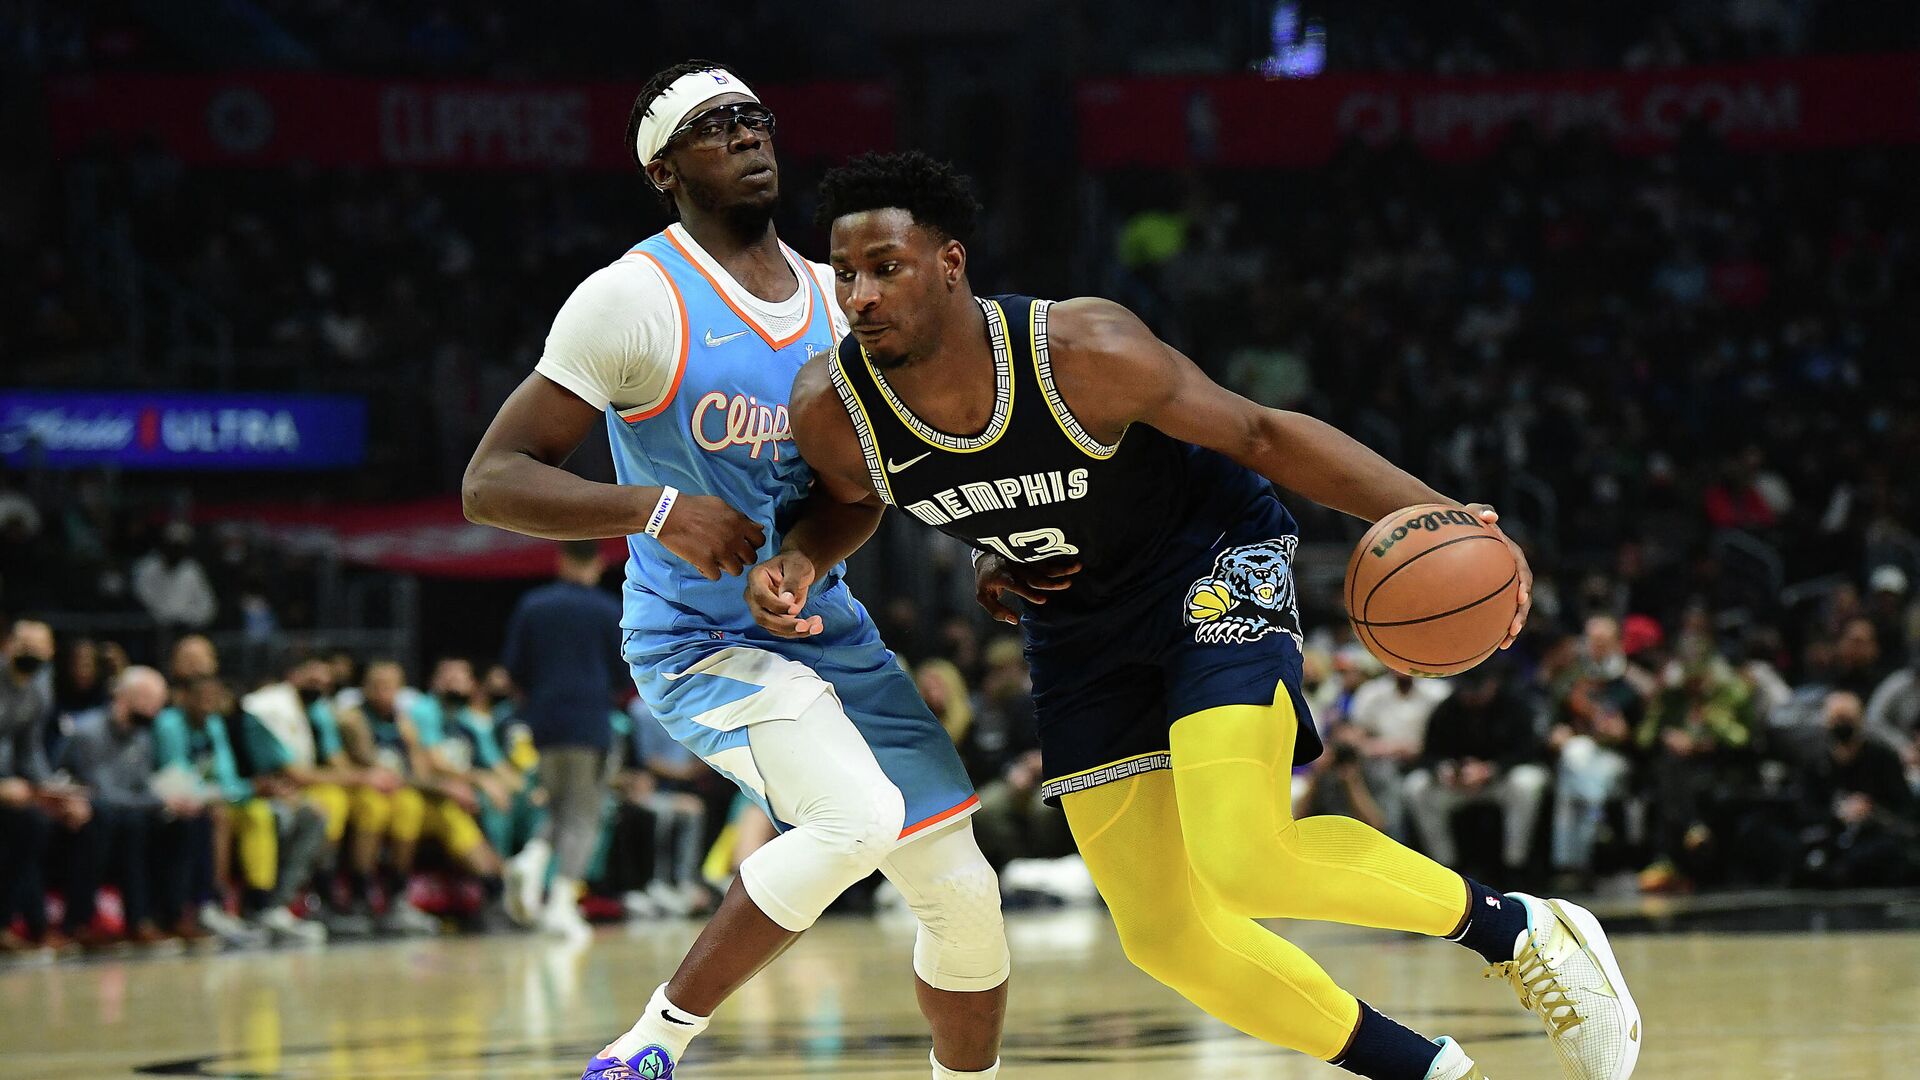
711,536
996,575
777,590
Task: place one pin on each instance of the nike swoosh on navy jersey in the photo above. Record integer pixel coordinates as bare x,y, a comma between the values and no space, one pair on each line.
902,466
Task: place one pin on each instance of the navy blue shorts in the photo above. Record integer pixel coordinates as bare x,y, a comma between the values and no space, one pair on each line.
1220,628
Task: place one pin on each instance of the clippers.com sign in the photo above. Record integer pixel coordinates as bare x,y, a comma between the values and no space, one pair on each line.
1248,122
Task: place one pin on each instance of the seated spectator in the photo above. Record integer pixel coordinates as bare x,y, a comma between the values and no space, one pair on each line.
1697,733
147,838
390,813
1389,717
34,807
1893,712
944,690
82,681
1002,751
172,584
192,657
472,747
1480,747
1858,666
460,787
1002,727
1349,667
1861,812
290,736
194,758
1595,708
664,779
1337,784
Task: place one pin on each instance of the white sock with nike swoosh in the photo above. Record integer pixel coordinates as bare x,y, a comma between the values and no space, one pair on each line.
664,1025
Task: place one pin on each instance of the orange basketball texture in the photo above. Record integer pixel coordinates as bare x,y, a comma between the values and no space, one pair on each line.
1432,590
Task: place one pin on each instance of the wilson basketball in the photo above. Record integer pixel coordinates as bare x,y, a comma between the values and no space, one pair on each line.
1432,590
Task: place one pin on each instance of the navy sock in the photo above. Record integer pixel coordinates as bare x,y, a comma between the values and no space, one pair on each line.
1494,922
1385,1050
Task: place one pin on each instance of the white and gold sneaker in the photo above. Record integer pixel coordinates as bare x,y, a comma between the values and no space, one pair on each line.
1453,1063
1565,972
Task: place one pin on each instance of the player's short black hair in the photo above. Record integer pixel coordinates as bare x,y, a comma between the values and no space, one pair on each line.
939,198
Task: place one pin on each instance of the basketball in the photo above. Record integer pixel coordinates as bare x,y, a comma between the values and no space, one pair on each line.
1432,590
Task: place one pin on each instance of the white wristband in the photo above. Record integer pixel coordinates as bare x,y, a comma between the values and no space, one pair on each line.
661,509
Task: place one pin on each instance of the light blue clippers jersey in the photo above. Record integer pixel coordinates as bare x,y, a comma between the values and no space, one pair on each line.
723,430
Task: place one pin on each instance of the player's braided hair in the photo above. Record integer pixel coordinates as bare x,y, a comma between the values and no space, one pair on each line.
939,198
643,103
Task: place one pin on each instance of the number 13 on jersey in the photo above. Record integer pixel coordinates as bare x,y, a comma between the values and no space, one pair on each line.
1032,545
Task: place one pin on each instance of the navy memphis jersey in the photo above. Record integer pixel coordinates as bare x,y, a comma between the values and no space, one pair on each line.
1035,484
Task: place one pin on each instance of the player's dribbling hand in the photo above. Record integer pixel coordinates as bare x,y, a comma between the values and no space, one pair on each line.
1492,517
994,576
777,590
713,537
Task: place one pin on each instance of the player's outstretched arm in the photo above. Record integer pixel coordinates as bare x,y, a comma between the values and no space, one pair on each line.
839,515
1146,380
515,482
1113,371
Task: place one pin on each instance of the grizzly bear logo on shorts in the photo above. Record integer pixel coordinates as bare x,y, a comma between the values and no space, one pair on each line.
1249,595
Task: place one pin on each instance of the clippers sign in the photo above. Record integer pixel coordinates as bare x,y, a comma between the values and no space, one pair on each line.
1240,121
181,431
282,118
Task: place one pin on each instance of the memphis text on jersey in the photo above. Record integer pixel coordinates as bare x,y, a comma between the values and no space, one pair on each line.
1010,493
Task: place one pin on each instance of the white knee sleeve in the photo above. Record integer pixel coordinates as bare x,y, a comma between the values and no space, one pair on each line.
962,944
822,779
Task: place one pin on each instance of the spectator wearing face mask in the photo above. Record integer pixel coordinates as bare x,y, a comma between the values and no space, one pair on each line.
389,811
460,770
172,585
291,736
1386,722
34,808
1861,812
1480,747
144,842
470,750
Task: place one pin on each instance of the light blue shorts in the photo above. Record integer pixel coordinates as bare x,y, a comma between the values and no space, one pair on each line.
708,687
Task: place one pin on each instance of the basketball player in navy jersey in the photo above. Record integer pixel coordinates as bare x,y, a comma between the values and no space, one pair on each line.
684,349
1105,480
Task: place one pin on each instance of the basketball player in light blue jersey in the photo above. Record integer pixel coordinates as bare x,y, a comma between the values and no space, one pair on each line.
686,348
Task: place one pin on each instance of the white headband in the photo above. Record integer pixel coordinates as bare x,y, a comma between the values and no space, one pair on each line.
672,107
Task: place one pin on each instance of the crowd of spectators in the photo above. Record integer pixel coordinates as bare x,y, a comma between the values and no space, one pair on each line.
1653,351
335,799
1481,38
1686,376
495,39
102,548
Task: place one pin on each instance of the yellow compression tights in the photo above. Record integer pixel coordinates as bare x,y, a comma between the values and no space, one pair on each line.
1232,774
1186,860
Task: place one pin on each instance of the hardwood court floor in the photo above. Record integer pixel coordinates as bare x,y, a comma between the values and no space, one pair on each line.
1719,1005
